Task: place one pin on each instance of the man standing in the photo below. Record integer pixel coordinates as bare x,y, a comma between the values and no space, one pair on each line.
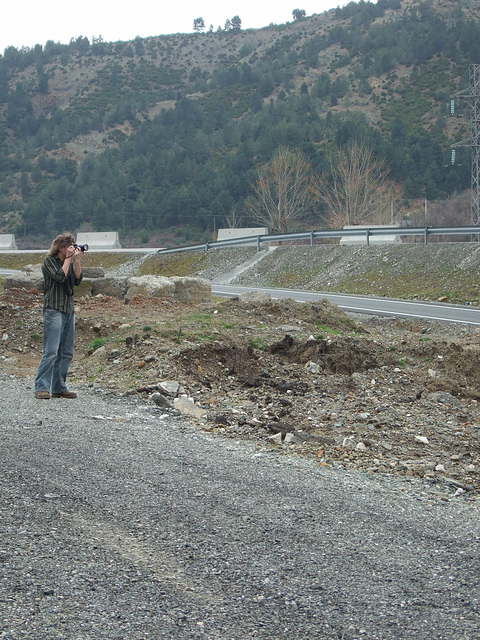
62,271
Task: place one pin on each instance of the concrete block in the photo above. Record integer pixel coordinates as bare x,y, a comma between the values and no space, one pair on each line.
377,239
7,242
99,241
245,232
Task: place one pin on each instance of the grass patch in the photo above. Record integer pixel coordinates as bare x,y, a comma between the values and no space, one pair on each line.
256,343
96,344
176,264
324,328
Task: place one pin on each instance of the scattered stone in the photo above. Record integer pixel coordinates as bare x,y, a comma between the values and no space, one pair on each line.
161,401
170,387
187,405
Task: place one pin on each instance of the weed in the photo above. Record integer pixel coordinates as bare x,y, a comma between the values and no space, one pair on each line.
323,327
206,336
35,337
256,343
96,344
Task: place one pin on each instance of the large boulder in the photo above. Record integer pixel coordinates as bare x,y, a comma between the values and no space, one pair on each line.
189,290
149,287
113,287
30,277
192,290
93,272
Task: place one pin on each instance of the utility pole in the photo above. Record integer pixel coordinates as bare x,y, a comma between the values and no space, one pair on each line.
472,93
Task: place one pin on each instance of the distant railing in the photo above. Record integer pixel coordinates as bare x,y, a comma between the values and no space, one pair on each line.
311,236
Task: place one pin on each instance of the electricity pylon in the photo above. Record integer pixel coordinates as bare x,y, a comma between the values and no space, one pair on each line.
473,94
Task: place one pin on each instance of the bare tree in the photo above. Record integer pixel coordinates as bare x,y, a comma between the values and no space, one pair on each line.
357,191
284,192
233,220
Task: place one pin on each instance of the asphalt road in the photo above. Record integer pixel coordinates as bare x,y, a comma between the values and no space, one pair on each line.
369,305
120,522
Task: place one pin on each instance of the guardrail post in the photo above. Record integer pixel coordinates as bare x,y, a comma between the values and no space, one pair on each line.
367,234
258,244
425,235
312,238
206,247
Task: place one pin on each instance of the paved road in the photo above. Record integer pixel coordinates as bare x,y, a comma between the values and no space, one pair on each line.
369,305
9,272
120,522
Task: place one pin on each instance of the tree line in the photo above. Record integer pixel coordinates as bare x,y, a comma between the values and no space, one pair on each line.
205,158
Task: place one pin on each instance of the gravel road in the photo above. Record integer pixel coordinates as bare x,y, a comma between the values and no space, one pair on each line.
119,521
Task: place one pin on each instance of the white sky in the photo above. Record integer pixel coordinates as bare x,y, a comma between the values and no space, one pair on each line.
30,22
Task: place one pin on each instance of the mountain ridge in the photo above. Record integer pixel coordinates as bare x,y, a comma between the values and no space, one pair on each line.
311,83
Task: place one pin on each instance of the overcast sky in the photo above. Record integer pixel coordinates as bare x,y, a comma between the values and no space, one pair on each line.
30,22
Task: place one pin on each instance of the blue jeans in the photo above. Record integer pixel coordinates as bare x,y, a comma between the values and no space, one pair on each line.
58,341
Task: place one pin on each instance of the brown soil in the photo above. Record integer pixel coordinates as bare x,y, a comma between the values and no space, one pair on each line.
379,395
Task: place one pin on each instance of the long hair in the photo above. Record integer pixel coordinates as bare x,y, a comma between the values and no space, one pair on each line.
62,240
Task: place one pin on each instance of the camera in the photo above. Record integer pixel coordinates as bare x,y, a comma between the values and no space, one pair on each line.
82,247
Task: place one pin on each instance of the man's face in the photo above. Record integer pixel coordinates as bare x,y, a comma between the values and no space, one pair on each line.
62,252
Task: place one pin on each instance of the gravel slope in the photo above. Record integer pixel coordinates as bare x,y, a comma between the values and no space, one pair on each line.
121,522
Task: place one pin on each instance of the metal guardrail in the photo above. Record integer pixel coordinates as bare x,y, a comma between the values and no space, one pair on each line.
326,234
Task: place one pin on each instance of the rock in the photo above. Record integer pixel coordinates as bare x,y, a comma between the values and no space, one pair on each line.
24,281
277,438
312,367
149,286
280,427
187,405
421,439
170,387
192,290
112,287
161,401
93,272
189,290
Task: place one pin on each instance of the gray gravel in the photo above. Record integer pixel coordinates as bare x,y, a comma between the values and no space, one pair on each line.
119,521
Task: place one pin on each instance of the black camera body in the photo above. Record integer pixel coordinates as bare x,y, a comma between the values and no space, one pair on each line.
82,247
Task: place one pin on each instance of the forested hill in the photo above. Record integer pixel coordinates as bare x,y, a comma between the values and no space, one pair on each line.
165,135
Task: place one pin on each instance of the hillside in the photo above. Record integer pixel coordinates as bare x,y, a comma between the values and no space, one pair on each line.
166,134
